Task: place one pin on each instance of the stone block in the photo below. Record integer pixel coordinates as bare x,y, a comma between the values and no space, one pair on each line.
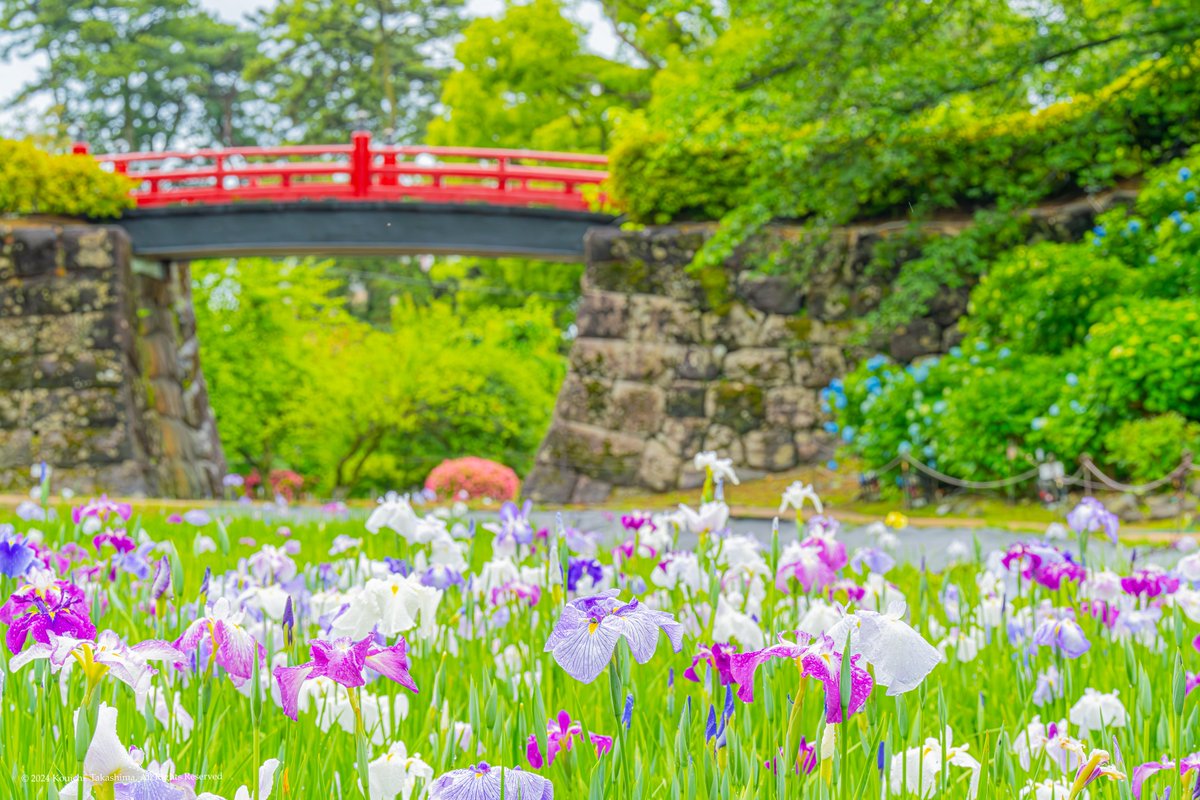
590,490
828,362
636,407
663,319
548,483
685,399
598,453
697,364
660,466
765,366
741,407
791,408
35,251
774,294
93,247
16,449
619,359
918,338
602,315
772,450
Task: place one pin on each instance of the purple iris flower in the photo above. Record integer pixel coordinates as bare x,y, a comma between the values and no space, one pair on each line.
1090,516
344,661
1064,634
585,636
514,522
578,567
1049,686
396,566
439,576
197,517
15,555
627,714
60,608
485,782
806,757
719,656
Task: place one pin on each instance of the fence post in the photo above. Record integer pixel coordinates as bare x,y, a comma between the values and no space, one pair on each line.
80,148
360,163
389,179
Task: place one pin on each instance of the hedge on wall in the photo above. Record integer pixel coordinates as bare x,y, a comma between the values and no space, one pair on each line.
33,181
953,156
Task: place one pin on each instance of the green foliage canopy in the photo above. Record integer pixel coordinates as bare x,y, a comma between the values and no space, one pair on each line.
298,382
33,181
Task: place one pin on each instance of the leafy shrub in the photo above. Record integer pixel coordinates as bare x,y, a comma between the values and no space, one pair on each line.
1042,299
1144,356
33,181
952,156
1147,449
472,477
1071,349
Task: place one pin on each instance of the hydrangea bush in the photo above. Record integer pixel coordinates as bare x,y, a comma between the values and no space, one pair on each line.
1067,349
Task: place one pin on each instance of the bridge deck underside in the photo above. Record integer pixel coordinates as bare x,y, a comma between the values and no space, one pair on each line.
358,228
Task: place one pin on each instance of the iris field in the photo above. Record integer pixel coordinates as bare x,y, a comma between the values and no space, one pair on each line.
271,653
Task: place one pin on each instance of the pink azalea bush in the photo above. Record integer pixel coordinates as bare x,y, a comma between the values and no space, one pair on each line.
477,477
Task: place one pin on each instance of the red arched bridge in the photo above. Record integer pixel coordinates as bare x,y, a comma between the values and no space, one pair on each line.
360,198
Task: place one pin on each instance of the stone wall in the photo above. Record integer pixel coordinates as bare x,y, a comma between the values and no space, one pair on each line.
99,375
669,362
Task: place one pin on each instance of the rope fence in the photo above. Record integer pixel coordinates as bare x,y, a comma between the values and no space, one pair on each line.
1088,477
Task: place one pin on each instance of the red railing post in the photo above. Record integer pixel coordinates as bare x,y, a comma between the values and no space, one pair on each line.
360,163
389,179
503,182
80,148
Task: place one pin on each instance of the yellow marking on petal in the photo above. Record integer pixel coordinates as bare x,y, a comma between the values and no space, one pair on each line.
592,627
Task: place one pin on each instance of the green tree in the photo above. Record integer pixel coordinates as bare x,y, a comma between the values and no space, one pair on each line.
526,80
132,74
335,66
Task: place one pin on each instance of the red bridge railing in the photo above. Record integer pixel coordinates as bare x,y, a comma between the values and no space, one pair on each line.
362,170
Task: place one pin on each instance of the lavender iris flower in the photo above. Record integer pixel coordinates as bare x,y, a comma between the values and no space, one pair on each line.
875,560
485,782
439,576
15,555
1064,635
585,636
1091,515
514,523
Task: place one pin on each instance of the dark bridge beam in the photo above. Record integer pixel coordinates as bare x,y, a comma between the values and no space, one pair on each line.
358,228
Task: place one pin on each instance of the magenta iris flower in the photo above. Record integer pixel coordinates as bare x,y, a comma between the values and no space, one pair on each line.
219,638
825,665
743,666
585,636
1150,582
344,661
485,782
719,657
58,607
101,508
561,733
